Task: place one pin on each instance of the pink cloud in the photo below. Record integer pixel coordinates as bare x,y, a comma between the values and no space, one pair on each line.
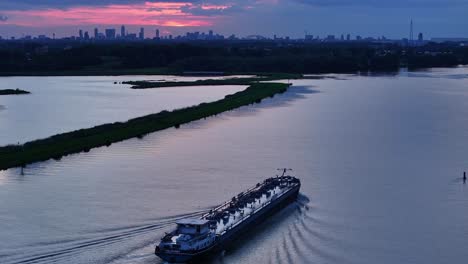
149,13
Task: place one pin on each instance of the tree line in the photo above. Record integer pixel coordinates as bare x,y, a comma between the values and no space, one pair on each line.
18,57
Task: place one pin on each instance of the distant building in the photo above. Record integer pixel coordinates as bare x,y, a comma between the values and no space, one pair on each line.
86,35
330,38
96,33
110,33
342,37
441,40
420,37
157,33
131,36
348,37
142,34
122,31
80,33
309,37
405,41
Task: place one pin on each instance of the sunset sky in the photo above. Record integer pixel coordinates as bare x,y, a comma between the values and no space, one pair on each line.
435,18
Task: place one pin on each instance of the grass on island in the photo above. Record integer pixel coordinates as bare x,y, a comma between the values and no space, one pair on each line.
13,91
104,135
229,81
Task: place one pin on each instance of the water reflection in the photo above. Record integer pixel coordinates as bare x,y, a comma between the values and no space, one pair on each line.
63,104
380,159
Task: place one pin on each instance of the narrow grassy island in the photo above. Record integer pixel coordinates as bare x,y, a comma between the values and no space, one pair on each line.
209,82
13,91
104,135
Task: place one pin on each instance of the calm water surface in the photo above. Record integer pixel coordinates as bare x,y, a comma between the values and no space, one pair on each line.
63,104
380,159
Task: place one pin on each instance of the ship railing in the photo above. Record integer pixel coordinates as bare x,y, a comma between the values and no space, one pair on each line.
227,204
243,217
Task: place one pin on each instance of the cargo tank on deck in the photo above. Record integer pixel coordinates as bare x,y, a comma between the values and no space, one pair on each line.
197,237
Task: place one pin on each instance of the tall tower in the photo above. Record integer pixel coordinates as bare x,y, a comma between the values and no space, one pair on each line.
411,36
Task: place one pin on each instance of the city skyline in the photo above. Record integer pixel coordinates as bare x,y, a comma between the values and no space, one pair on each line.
122,33
436,18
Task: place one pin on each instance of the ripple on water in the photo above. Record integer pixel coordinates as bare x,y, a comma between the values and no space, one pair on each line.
53,250
383,182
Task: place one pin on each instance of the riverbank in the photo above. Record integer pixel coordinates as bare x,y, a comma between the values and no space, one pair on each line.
13,92
83,140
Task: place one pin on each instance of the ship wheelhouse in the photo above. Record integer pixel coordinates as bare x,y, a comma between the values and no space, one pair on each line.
191,235
193,226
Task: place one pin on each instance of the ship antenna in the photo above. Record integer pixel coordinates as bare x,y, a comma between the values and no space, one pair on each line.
284,171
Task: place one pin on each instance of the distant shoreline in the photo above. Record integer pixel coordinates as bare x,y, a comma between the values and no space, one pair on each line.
162,72
211,82
13,92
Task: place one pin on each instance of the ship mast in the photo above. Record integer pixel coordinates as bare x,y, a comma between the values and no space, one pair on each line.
284,170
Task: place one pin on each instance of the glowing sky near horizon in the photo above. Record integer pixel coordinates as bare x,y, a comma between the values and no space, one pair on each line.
267,17
147,13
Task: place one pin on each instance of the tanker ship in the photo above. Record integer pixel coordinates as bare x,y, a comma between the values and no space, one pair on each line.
195,238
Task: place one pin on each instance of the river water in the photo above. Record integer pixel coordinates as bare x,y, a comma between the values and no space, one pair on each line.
63,104
380,159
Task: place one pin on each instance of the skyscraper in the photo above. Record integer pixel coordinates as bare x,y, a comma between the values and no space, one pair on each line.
80,33
157,33
122,31
110,33
142,34
86,35
96,33
420,37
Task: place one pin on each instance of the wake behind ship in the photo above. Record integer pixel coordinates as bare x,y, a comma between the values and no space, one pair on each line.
196,237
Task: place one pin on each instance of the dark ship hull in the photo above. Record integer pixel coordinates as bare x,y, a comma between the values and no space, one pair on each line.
224,240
